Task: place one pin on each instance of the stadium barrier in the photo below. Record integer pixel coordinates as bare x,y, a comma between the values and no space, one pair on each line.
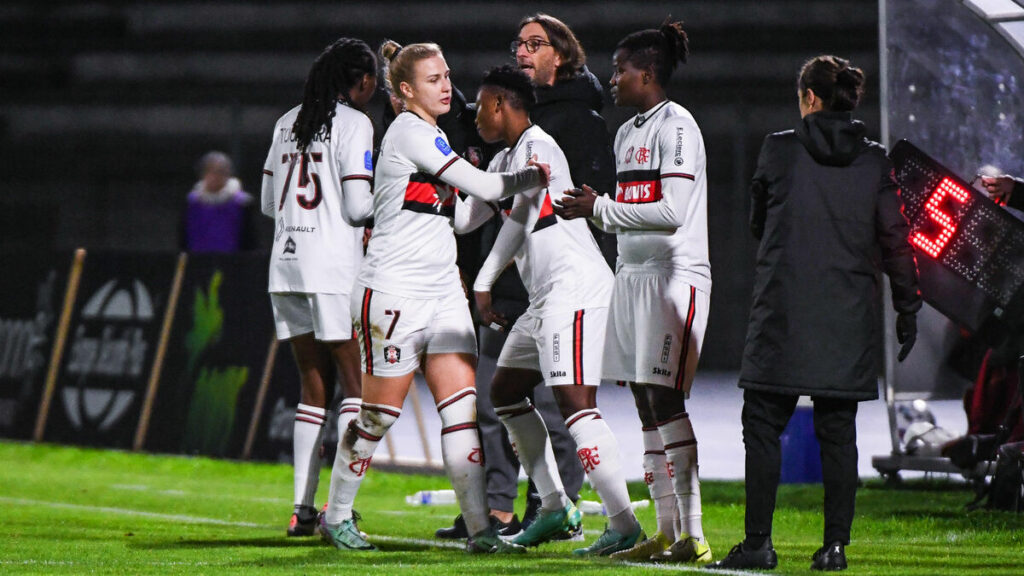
160,352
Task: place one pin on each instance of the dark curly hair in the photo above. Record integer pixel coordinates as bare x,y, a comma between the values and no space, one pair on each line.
338,68
660,50
515,83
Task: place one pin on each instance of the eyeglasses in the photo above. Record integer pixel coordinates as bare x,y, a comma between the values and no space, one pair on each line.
532,45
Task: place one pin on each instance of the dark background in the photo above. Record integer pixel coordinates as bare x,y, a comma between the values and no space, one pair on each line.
105,107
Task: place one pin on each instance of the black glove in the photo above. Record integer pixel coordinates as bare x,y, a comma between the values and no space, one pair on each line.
906,334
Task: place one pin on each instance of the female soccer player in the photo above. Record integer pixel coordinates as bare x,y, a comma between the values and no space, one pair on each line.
559,340
408,305
316,184
662,290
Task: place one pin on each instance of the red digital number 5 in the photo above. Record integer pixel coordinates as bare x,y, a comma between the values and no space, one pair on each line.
933,246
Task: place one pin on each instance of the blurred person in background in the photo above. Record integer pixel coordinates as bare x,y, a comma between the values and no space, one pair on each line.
662,294
219,216
317,184
829,219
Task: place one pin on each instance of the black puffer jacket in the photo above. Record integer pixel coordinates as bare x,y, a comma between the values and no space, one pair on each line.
830,219
570,112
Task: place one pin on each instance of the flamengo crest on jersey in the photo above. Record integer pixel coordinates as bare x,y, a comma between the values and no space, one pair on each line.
412,250
660,157
315,250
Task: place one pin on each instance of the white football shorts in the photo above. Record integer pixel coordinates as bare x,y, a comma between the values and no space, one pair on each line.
566,347
325,315
394,332
655,328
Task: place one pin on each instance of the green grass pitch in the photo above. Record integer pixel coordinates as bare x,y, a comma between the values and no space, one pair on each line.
80,511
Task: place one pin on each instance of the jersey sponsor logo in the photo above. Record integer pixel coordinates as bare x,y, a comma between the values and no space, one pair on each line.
392,354
679,146
589,458
643,155
303,229
555,354
629,155
280,229
660,371
442,146
429,195
638,187
368,160
666,347
547,214
289,246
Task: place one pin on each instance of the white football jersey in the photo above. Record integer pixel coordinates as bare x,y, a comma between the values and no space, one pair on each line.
315,250
412,249
558,260
660,208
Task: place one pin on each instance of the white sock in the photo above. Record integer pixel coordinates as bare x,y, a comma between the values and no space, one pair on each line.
659,482
347,412
306,438
530,439
681,452
464,458
598,451
355,451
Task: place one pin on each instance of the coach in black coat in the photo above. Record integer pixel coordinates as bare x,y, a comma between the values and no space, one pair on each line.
830,220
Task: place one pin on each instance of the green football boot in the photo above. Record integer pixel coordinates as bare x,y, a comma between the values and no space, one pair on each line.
550,525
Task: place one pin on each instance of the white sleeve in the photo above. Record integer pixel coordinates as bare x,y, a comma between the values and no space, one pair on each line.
355,167
672,187
267,190
510,239
472,213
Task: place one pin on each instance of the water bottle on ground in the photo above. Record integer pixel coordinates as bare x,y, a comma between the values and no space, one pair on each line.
431,498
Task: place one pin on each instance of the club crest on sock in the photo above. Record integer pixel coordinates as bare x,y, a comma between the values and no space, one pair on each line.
589,458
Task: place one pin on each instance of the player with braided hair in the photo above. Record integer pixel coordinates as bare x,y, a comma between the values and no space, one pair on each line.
659,308
316,185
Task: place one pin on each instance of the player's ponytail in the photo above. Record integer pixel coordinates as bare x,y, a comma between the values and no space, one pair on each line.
659,50
834,81
400,62
338,68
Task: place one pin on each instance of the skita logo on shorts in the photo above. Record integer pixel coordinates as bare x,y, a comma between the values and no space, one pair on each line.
289,246
392,354
666,348
476,456
661,371
589,458
555,354
360,466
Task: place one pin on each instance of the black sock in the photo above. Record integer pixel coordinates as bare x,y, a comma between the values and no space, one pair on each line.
755,541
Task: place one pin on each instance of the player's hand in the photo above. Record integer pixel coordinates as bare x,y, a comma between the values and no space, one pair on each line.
488,317
367,233
906,334
576,203
545,170
999,187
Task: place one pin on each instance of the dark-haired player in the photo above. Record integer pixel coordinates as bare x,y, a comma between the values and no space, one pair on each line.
559,340
316,185
662,291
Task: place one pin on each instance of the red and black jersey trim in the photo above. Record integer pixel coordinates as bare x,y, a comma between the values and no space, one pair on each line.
364,324
577,348
678,175
447,166
681,371
547,216
422,195
593,412
367,177
268,172
458,396
458,427
638,186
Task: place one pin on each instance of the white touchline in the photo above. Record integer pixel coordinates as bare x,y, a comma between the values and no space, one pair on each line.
130,512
